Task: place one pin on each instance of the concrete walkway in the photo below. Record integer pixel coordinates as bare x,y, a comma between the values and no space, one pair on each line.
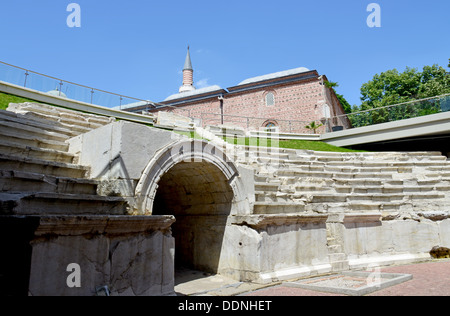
430,278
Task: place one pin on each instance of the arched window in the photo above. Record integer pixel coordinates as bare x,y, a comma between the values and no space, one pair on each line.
270,126
270,99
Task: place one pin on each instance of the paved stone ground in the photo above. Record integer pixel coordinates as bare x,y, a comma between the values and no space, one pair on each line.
429,279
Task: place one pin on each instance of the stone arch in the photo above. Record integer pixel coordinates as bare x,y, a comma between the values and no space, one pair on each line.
195,182
188,151
270,123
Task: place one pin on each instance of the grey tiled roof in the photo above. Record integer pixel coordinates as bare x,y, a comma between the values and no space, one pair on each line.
275,75
192,93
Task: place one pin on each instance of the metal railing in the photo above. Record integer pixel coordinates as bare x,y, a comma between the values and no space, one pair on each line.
63,88
395,112
390,113
258,123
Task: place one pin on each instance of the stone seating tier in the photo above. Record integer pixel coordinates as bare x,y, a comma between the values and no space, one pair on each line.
37,173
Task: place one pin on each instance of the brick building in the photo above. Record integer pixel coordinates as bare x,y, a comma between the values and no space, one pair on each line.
285,101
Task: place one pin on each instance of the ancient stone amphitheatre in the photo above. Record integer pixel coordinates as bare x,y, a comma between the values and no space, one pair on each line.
128,203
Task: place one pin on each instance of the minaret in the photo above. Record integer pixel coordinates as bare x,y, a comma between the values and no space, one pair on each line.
188,75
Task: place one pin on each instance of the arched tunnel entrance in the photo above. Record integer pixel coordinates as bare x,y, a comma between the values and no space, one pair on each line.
199,196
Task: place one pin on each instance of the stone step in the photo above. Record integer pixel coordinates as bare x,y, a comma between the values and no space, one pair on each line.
274,197
444,175
392,189
433,182
382,197
308,155
34,165
277,208
327,181
367,182
270,207
369,155
332,175
319,158
60,204
263,178
445,168
355,206
267,187
351,169
357,186
19,150
24,120
381,156
345,165
347,182
76,127
320,197
266,149
32,131
28,139
270,157
290,162
76,119
354,160
61,113
20,181
313,188
398,164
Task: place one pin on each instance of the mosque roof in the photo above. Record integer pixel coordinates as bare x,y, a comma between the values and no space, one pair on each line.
275,75
193,93
57,93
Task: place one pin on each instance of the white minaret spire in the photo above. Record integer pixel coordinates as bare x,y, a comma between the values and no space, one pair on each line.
188,74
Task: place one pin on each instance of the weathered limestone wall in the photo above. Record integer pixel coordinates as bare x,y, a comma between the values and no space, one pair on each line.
118,154
130,255
270,248
267,249
120,150
387,242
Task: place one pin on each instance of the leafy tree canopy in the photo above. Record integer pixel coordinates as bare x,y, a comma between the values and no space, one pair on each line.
346,106
392,87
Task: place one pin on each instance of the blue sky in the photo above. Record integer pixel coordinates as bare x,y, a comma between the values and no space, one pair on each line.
137,47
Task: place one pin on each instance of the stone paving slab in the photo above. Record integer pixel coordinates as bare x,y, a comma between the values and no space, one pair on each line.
196,283
429,279
352,283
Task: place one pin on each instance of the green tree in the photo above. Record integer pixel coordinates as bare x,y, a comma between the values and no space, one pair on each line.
392,87
314,126
434,81
346,106
331,84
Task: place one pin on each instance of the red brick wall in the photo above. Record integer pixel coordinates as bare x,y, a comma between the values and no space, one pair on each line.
188,77
296,105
